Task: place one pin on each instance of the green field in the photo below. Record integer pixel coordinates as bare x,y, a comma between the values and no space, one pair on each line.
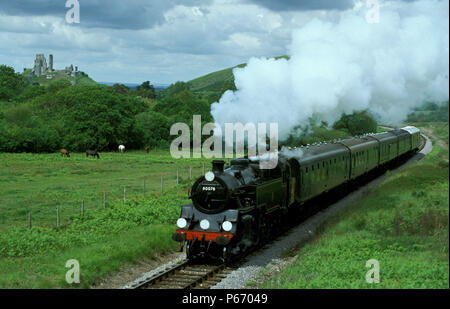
389,225
403,223
103,240
38,183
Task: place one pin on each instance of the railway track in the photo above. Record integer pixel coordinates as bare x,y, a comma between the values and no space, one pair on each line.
185,275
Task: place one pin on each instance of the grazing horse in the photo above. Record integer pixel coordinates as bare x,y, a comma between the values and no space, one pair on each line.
64,152
147,149
93,153
122,148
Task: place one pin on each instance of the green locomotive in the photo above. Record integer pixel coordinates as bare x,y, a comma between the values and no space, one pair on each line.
239,207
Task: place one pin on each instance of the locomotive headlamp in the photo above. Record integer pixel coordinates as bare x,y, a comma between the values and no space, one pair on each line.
209,176
181,222
227,226
204,224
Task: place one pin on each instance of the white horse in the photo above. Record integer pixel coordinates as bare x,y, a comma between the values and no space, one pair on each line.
122,148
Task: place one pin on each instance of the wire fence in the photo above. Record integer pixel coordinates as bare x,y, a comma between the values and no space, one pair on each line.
131,188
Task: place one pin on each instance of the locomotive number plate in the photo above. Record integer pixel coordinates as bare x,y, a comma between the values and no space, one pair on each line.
209,189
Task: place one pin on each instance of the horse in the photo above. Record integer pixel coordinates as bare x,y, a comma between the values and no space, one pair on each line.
122,148
147,149
64,152
93,153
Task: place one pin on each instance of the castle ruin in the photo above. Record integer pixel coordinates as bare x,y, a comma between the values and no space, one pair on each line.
40,67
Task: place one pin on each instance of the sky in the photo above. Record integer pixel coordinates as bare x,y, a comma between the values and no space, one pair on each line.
162,41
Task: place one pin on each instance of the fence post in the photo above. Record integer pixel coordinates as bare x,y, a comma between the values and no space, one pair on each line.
82,207
162,183
104,199
203,169
124,194
190,172
57,217
29,220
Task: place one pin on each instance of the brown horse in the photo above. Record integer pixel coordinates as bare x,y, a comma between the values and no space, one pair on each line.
64,152
93,153
147,149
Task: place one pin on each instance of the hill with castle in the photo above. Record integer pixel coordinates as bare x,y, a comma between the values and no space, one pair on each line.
43,72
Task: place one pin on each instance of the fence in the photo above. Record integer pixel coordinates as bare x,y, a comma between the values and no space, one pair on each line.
131,188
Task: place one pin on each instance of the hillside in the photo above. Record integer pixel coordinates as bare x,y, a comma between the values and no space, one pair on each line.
81,79
214,81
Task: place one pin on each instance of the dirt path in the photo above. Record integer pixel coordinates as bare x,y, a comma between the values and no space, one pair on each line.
131,272
430,133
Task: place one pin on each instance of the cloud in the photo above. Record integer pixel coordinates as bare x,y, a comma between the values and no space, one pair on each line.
304,5
117,14
136,40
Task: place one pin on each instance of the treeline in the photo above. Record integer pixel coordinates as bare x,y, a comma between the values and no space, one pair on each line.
358,123
430,112
36,118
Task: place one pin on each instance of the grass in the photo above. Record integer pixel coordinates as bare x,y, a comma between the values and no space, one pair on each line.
80,79
103,240
96,260
403,224
213,82
38,183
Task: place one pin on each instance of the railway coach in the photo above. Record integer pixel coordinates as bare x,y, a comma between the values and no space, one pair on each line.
239,207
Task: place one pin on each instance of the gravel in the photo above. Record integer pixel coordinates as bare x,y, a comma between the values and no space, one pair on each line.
153,272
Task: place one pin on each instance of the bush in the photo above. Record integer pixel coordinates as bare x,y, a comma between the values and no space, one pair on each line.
357,123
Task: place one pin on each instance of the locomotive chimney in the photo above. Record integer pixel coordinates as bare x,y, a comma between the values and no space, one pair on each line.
217,165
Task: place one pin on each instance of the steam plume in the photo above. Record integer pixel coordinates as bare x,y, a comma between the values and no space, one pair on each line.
335,67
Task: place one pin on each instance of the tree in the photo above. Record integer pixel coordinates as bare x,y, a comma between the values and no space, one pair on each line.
173,90
357,123
154,128
31,91
121,89
11,83
146,90
57,85
182,106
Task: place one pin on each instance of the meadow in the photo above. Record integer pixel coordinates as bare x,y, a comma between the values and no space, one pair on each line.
38,183
102,239
403,223
397,226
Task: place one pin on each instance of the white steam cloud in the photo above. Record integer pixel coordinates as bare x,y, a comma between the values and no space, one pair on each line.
388,67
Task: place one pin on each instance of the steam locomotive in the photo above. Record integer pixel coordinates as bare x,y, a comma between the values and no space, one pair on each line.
237,207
